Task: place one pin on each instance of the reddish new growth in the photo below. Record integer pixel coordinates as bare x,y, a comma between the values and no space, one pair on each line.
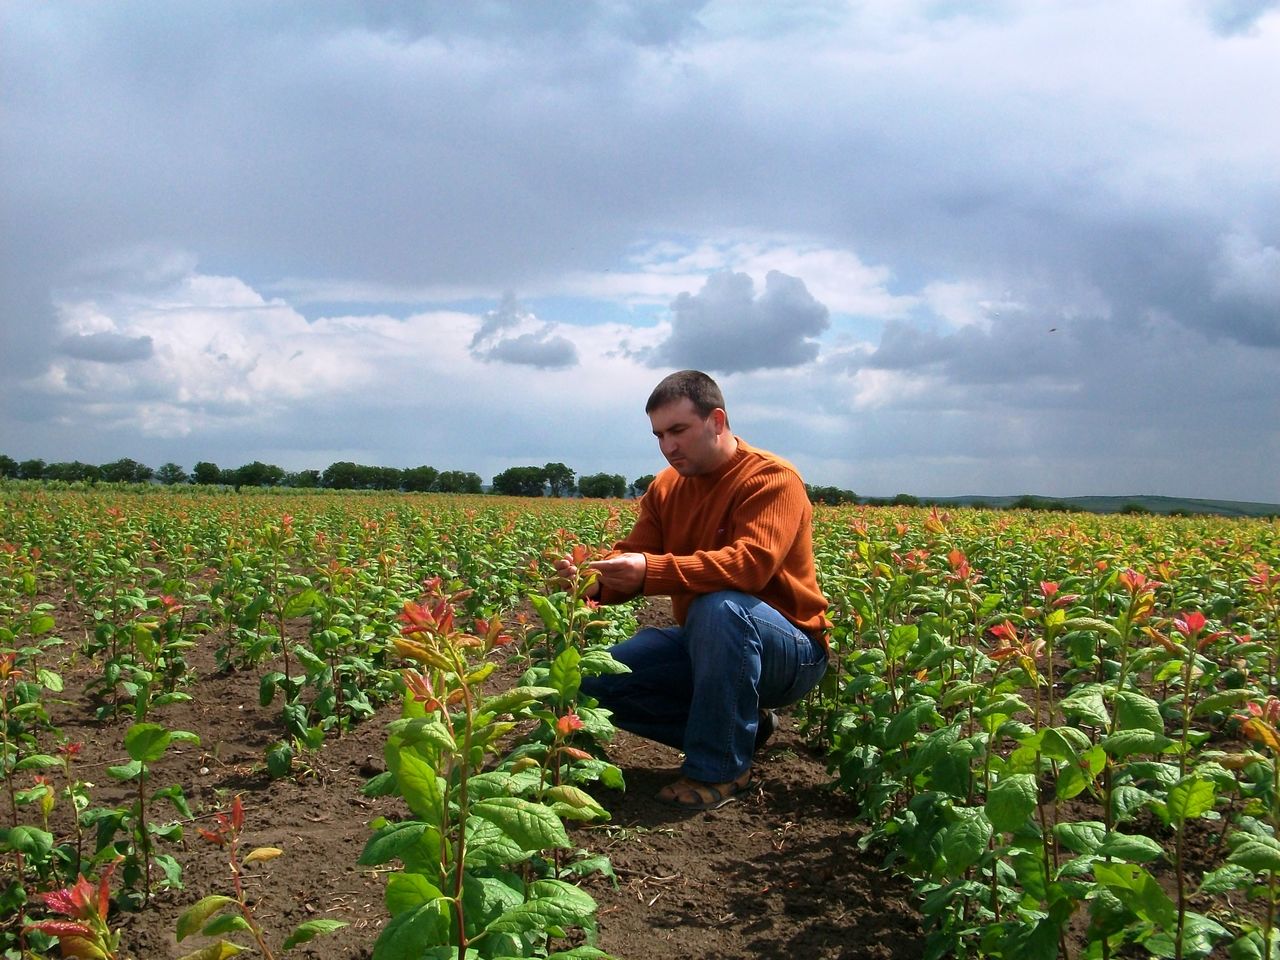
85,933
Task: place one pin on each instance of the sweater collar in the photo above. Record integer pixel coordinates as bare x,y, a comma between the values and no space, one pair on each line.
716,475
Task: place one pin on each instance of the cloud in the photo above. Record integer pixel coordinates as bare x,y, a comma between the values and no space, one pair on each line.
505,336
1235,17
106,347
1031,225
725,327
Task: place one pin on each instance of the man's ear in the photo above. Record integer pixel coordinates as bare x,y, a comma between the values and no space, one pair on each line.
721,419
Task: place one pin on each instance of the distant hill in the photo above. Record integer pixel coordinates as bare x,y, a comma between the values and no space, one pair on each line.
1151,504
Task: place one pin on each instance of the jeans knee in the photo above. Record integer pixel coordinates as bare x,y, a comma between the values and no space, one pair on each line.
711,606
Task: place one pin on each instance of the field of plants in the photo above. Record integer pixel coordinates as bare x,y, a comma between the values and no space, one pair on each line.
345,725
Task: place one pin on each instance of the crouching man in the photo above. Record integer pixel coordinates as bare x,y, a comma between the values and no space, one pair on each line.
725,532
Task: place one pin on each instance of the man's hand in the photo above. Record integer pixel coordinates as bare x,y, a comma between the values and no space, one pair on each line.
624,573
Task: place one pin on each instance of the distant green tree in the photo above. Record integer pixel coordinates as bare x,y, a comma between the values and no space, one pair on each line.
382,478
303,479
126,470
521,482
340,476
640,484
1133,507
559,479
603,485
905,500
458,481
206,472
832,496
419,479
31,470
171,473
8,467
73,472
259,474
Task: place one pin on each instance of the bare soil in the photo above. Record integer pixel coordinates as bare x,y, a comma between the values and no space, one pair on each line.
775,874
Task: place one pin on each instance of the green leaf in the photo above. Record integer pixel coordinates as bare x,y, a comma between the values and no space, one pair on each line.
575,804
279,760
1135,711
531,826
1135,849
1223,700
195,916
547,612
29,841
215,951
906,724
902,638
227,923
1075,777
600,662
961,693
406,935
1190,798
1082,836
391,842
49,680
146,742
1091,625
551,903
303,604
1011,801
516,698
310,929
565,675
1257,853
421,788
1233,876
1063,744
408,891
1138,890
417,731
37,761
965,841
267,686
488,846
126,772
1126,743
1200,934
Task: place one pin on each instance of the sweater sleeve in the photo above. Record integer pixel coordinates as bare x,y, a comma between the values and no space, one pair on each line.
645,537
765,522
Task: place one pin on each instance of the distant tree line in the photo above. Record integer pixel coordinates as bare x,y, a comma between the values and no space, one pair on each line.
551,479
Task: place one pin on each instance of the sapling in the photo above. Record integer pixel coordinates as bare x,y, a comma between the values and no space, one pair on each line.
84,934
146,743
217,914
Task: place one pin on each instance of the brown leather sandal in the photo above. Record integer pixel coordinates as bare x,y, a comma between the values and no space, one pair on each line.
689,794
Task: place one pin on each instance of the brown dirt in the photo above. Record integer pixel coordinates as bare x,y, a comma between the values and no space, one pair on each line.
775,874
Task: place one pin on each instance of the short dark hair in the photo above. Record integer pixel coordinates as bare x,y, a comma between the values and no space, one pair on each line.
693,384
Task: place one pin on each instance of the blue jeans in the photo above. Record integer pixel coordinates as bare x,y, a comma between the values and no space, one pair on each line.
700,687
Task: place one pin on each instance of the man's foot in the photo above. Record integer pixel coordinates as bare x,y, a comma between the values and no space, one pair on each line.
689,794
765,729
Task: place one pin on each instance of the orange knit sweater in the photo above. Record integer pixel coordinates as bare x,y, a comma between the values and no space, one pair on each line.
746,527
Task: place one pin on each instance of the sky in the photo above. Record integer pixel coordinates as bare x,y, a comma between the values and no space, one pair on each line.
926,246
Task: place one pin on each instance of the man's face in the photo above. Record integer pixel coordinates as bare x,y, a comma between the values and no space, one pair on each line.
689,441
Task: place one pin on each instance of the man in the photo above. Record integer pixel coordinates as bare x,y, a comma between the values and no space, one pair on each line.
725,532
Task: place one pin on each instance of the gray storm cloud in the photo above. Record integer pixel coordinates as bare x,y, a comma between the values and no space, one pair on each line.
106,347
503,337
726,328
